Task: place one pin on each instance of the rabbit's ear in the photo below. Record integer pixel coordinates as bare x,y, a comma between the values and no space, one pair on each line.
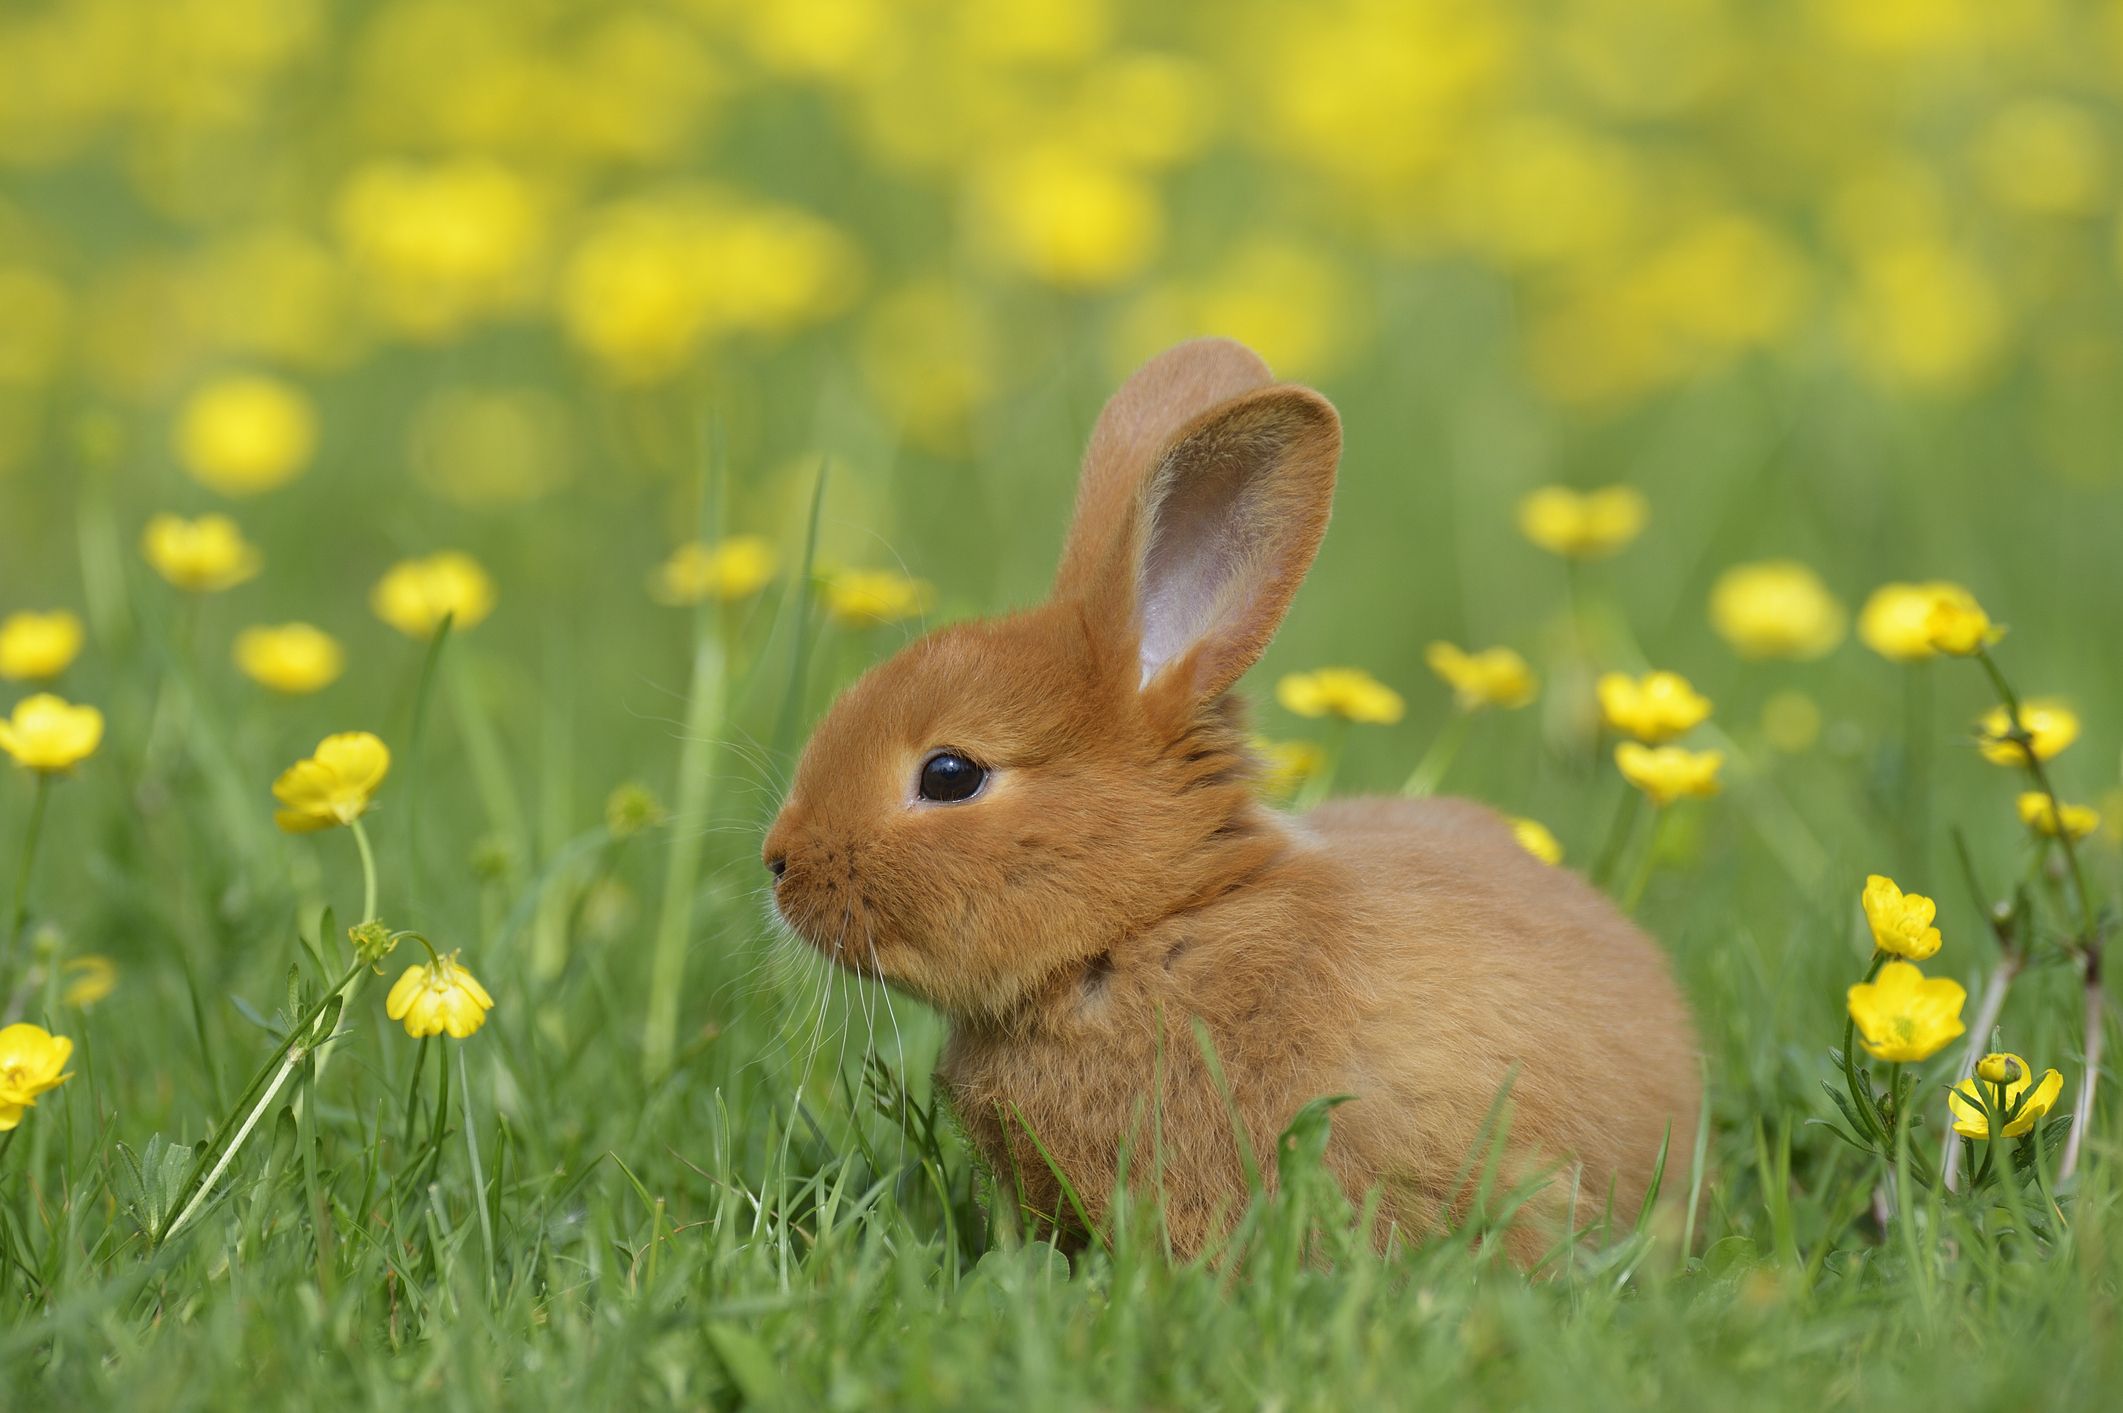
1153,407
1226,526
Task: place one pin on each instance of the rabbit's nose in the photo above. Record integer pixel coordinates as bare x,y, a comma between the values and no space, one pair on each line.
777,864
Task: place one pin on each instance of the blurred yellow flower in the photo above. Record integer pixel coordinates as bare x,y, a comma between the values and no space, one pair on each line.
1535,838
1654,708
735,568
1064,215
202,556
2044,157
1903,1017
1277,296
441,244
1286,766
2037,814
415,595
93,977
2011,1075
438,997
870,597
49,735
36,647
1493,677
1958,625
1583,525
1669,773
32,1062
247,434
929,352
1896,619
1791,721
1901,922
1346,692
333,787
294,657
1924,317
1777,608
2049,727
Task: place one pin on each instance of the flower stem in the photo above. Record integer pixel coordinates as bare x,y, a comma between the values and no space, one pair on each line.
368,871
1322,782
1645,862
288,1065
1618,833
18,912
479,1182
1862,1100
1444,749
2082,1109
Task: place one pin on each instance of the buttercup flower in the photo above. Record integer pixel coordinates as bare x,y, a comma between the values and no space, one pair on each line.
736,568
2050,727
1494,677
1347,692
1903,1016
36,647
1583,525
1778,608
1901,922
294,657
202,556
2012,1072
89,979
869,597
335,786
244,435
1958,625
1287,765
1535,838
1669,773
438,997
50,735
1654,708
1896,620
415,595
2036,813
32,1062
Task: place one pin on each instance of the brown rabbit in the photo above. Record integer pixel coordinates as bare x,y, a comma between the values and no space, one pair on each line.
1045,826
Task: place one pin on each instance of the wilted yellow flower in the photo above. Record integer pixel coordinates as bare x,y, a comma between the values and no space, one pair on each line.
1067,216
415,595
868,597
203,556
335,786
1903,1016
1654,708
1669,773
1583,525
243,435
1896,620
2050,726
295,657
735,568
1347,692
2013,1074
32,1062
1493,677
1287,765
93,977
1534,837
1958,625
1777,608
1901,922
35,647
48,735
2036,813
438,997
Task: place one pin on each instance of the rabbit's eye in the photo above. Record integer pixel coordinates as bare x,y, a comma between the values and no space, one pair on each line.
948,777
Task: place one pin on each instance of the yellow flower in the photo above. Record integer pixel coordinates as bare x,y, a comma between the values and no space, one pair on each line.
244,435
1901,922
1896,620
438,997
334,786
2036,814
203,556
49,735
1067,216
1669,773
294,657
415,595
1347,692
868,597
2013,1074
1777,608
2050,726
736,568
1654,708
1958,625
93,977
1791,721
1287,765
1535,838
1495,677
1902,1016
32,1062
36,647
1583,526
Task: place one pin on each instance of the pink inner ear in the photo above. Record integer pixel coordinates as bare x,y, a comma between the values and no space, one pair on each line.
1194,575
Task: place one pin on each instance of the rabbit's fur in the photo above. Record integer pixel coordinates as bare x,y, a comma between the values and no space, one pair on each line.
1117,894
